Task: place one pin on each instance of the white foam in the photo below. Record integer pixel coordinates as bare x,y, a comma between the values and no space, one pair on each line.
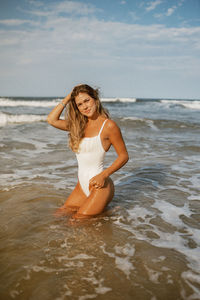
35,103
149,123
171,213
192,104
153,275
66,293
119,100
77,257
174,239
192,280
98,282
102,290
122,263
188,275
134,119
51,103
10,119
87,296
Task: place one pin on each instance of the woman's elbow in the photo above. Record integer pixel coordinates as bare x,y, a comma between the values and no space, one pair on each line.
125,158
49,120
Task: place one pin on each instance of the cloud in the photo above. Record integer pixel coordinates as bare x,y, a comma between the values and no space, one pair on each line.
168,13
63,7
171,10
65,46
16,22
152,5
67,38
134,16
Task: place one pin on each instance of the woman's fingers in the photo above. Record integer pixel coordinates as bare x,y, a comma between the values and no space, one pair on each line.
97,182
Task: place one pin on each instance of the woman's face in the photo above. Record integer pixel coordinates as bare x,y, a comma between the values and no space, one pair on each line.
86,104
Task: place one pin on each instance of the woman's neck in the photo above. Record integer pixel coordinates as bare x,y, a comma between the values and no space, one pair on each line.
94,118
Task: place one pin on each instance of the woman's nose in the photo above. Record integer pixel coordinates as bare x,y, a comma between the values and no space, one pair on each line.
85,106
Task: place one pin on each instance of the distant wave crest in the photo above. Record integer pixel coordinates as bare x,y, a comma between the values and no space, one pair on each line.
10,119
48,102
9,102
33,103
192,104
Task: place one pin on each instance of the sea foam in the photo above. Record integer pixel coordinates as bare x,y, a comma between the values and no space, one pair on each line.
9,102
33,103
192,104
10,119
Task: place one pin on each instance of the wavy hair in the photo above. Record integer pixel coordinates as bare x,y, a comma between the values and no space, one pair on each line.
76,120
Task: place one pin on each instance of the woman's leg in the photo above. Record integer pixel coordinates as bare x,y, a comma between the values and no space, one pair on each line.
75,200
95,203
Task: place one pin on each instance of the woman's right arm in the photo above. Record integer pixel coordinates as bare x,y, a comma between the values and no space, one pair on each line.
54,116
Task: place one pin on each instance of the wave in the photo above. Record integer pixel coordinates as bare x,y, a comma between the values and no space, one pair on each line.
119,100
141,121
157,124
33,103
11,119
49,103
192,104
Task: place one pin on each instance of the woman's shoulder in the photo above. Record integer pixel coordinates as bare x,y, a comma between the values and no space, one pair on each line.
111,125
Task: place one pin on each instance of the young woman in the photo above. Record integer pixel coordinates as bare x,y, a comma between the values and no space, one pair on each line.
91,133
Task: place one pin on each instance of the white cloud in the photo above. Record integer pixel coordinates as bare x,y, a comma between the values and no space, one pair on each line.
64,7
171,10
69,38
134,16
180,3
64,47
36,3
16,22
152,5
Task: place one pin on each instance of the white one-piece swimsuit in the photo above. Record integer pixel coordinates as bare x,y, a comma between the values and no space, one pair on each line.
90,157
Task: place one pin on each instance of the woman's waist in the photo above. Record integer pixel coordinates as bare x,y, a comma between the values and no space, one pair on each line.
89,171
90,162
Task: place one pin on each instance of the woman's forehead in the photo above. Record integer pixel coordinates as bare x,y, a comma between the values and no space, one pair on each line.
81,97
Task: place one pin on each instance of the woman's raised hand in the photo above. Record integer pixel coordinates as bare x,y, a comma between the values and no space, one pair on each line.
67,99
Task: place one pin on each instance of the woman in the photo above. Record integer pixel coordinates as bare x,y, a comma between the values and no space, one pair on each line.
91,133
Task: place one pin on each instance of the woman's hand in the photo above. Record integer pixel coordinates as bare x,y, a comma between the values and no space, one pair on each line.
67,99
54,116
97,181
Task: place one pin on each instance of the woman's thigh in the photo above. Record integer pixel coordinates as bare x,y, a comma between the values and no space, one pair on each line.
76,198
96,201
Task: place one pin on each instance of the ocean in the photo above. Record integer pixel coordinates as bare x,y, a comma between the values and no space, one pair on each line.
145,247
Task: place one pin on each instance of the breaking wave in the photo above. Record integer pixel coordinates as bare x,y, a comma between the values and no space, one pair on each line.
10,119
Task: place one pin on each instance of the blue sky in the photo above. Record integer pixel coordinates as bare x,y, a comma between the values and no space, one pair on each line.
127,48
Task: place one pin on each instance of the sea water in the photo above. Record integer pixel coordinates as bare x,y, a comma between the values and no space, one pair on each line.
147,246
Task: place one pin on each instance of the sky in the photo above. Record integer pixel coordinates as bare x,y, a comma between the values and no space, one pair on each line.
127,48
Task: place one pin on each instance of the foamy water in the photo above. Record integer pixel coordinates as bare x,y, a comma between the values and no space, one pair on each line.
146,246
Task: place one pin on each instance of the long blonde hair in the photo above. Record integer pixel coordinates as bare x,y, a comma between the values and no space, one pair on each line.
76,120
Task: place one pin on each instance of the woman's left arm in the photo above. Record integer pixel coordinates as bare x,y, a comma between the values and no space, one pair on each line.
115,138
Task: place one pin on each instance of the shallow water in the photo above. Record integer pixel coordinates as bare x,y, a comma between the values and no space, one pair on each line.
146,246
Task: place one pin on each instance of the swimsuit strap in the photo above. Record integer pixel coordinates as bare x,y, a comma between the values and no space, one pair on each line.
102,127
